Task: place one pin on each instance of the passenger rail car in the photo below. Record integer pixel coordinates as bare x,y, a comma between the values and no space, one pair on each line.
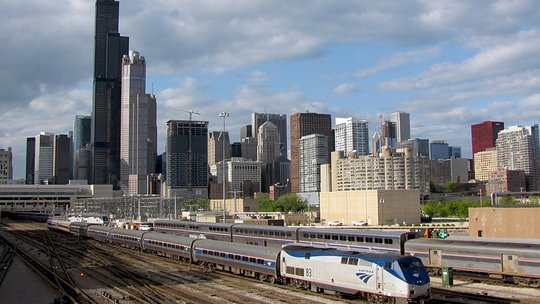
58,225
514,261
276,236
267,236
100,233
126,237
80,229
171,246
248,260
373,276
365,239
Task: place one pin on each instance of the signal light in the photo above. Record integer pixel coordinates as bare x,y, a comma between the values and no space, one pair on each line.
81,274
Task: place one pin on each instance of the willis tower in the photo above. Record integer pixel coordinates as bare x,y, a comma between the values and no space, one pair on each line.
109,47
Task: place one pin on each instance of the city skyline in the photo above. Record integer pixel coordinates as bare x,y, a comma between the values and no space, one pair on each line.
441,62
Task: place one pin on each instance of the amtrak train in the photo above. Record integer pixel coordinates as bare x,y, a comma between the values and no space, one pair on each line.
379,277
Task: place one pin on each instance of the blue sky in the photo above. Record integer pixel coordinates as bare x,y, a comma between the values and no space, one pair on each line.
449,64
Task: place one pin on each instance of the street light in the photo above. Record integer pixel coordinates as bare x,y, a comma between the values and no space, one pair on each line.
224,115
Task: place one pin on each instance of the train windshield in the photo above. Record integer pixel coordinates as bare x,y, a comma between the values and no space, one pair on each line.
413,271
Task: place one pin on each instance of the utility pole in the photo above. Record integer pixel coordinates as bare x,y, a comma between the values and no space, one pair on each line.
190,154
234,192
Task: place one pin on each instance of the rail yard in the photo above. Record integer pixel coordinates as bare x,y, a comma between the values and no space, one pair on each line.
87,271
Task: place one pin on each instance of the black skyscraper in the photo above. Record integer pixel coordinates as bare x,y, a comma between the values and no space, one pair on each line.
30,159
108,51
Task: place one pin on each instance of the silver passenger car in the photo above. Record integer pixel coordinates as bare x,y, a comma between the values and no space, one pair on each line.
515,260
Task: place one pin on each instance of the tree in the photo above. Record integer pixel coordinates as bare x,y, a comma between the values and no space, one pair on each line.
285,203
452,186
291,202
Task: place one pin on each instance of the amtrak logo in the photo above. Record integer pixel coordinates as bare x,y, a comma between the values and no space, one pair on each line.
364,276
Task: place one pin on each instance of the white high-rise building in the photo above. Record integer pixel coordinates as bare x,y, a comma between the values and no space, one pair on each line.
352,136
313,153
138,144
403,125
268,142
43,165
518,149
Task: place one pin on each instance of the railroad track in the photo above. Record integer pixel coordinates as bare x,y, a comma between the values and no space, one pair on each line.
5,260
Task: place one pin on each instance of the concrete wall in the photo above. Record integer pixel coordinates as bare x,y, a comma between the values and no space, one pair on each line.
510,222
377,207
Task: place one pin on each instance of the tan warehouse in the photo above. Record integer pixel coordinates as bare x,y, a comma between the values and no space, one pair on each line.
505,221
376,207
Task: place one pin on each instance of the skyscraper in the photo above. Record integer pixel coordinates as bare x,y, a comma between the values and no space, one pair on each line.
303,124
138,147
438,149
30,160
215,146
43,166
81,137
62,159
313,153
187,169
109,48
403,125
518,149
352,135
268,142
484,135
6,164
279,120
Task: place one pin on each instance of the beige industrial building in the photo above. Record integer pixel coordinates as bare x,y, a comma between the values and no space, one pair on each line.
505,222
376,207
235,205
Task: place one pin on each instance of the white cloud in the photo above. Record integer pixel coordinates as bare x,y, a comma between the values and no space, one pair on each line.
258,76
495,60
345,88
399,59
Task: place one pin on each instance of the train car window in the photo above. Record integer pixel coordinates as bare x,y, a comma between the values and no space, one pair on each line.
222,255
244,259
350,238
260,261
305,235
252,260
353,261
231,256
312,236
334,237
389,241
308,255
369,240
342,238
290,270
326,237
299,272
237,257
388,265
344,260
378,240
319,236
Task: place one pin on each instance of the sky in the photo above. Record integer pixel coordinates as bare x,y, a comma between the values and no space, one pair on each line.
449,64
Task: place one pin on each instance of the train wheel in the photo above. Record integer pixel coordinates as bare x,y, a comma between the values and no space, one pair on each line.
272,280
262,277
